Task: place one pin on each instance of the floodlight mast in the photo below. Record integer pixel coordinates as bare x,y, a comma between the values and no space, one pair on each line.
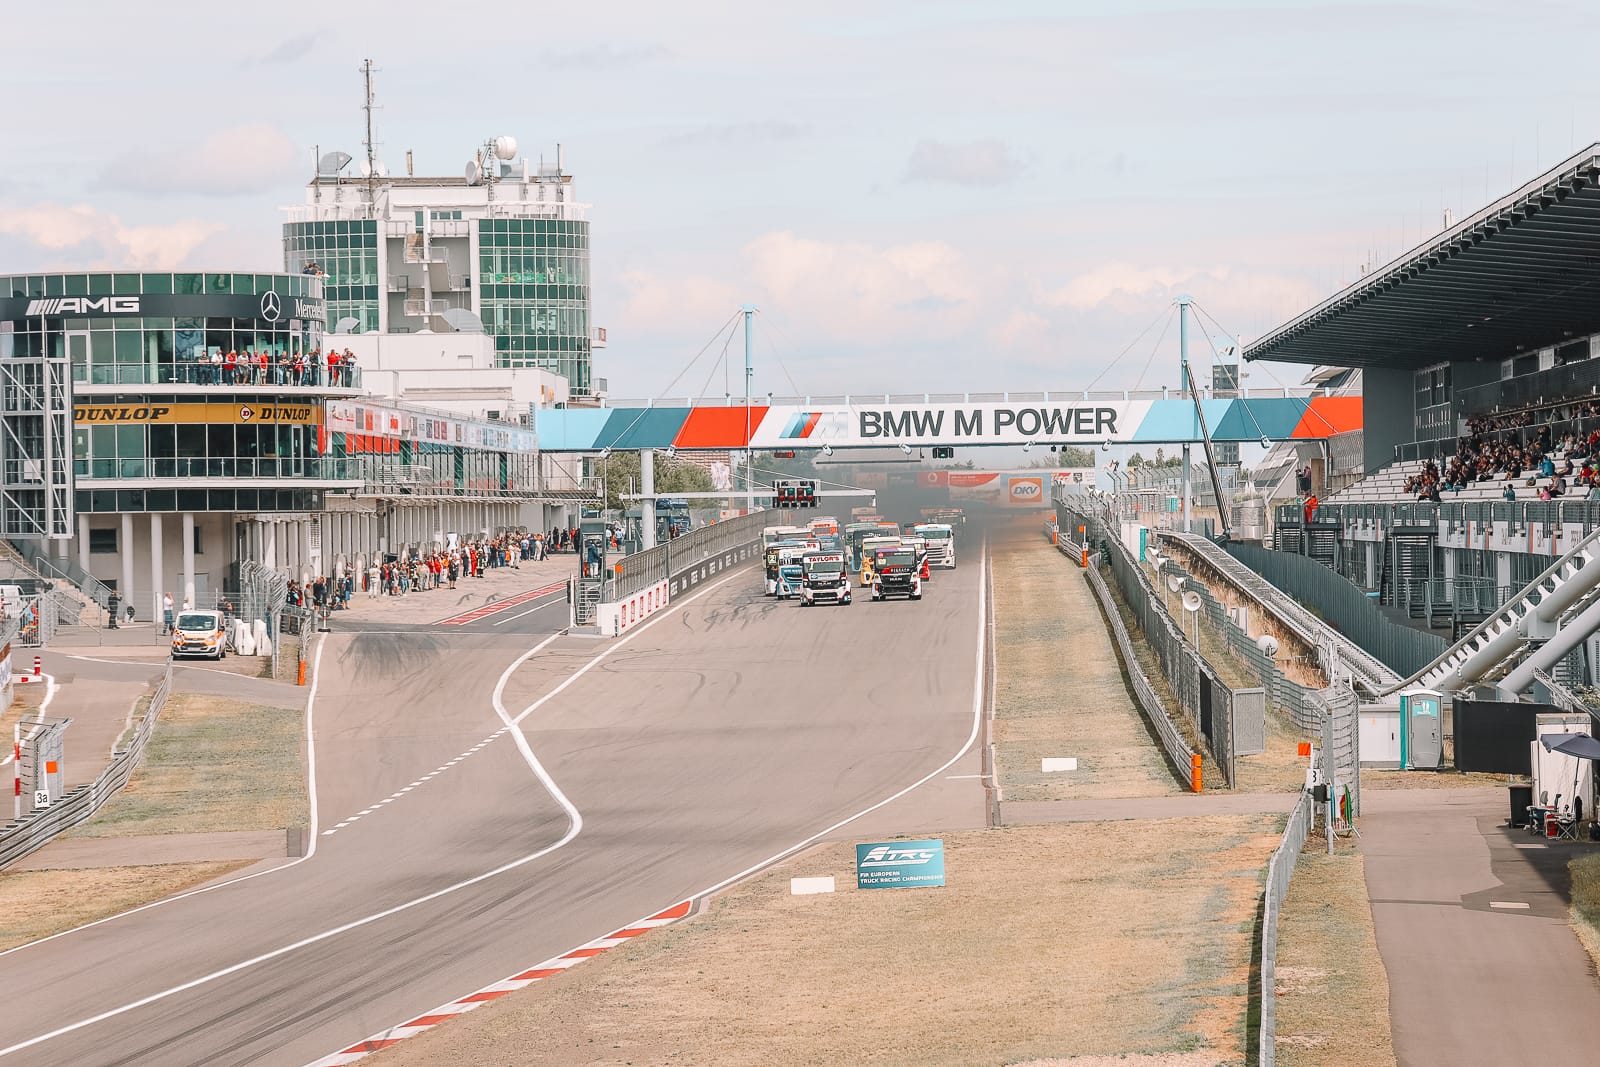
1205,434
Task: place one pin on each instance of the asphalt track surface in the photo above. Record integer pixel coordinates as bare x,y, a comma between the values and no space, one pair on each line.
727,731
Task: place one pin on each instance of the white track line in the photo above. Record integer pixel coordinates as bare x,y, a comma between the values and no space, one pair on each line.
978,707
49,695
575,826
559,592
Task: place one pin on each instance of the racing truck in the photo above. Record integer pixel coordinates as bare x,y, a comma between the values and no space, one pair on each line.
895,573
868,556
825,580
941,540
774,559
791,574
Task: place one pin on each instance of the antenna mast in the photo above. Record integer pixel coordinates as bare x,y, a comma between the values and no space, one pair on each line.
367,70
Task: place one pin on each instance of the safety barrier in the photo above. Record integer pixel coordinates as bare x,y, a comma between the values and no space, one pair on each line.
644,569
1279,871
40,826
1185,760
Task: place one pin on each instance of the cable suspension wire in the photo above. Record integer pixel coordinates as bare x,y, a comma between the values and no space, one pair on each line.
1126,350
721,360
773,351
815,478
1305,402
1156,347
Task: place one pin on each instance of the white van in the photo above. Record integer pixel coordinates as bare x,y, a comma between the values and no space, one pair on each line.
200,633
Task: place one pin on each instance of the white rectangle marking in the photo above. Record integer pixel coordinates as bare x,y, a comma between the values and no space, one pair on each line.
1059,763
1510,905
805,887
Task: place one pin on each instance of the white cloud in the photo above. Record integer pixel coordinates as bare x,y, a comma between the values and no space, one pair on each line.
256,157
78,236
976,163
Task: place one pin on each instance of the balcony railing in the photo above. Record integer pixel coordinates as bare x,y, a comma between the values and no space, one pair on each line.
273,377
322,469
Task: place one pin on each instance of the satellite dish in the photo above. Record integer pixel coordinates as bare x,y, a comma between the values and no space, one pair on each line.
333,162
474,172
366,169
1191,601
1268,645
461,320
383,171
348,324
1174,583
505,147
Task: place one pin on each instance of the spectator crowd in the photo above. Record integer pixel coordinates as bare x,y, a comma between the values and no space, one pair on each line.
1558,456
263,367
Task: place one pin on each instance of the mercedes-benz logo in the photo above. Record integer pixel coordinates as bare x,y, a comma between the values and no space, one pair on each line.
271,306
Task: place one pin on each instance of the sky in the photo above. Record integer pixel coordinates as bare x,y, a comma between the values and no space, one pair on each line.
922,196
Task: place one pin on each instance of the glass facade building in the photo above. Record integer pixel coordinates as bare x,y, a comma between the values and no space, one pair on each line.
152,328
346,251
534,294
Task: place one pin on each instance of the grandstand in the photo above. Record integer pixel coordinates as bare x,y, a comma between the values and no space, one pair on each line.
1479,351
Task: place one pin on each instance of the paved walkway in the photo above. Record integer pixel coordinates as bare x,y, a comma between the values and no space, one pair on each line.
1185,806
1472,925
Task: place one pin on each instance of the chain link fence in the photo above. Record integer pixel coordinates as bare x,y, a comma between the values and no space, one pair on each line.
1203,697
1280,869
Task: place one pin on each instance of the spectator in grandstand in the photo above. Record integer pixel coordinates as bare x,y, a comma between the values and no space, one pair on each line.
1510,493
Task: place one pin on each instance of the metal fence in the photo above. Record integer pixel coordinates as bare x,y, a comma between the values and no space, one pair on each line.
1343,606
1177,749
1280,869
41,825
1204,698
643,569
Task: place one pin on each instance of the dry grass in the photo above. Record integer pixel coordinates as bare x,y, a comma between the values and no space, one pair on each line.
35,904
1090,939
212,765
1059,689
1586,902
1333,993
1372,778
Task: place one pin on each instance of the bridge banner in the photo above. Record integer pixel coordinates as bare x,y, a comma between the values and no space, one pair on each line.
1088,422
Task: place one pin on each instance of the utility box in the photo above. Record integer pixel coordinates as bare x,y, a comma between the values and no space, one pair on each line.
1380,735
1249,722
1421,730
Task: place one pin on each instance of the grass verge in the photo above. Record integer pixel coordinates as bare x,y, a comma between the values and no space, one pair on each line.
1586,902
1086,939
1059,688
35,904
212,765
1333,992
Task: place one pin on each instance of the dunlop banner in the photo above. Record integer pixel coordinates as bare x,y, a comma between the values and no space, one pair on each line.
237,414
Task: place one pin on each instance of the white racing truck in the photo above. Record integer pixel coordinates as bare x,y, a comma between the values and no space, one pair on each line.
825,580
941,540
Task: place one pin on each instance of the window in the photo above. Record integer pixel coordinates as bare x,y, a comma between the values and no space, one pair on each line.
103,542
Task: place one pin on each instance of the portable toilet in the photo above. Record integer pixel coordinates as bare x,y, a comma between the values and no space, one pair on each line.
1421,730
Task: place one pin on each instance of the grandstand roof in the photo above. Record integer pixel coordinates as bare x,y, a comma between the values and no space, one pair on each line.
1522,273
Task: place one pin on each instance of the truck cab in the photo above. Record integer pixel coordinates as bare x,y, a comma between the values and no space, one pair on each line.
200,633
825,579
791,575
941,541
895,573
869,560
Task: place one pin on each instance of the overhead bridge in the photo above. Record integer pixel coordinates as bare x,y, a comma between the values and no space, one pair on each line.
948,420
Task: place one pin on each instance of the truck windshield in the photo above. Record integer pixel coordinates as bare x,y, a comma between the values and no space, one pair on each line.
900,557
834,565
197,622
934,535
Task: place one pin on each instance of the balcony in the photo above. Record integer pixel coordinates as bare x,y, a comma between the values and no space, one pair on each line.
86,378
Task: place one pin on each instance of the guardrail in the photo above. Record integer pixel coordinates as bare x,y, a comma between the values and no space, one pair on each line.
1279,871
1185,761
40,826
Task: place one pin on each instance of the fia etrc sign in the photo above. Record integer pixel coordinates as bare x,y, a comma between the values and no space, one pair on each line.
900,864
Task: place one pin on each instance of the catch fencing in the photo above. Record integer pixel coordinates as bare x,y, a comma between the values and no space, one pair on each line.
40,826
1203,697
1279,871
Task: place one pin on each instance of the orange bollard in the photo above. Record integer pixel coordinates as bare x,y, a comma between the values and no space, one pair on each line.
302,679
1085,557
1196,771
